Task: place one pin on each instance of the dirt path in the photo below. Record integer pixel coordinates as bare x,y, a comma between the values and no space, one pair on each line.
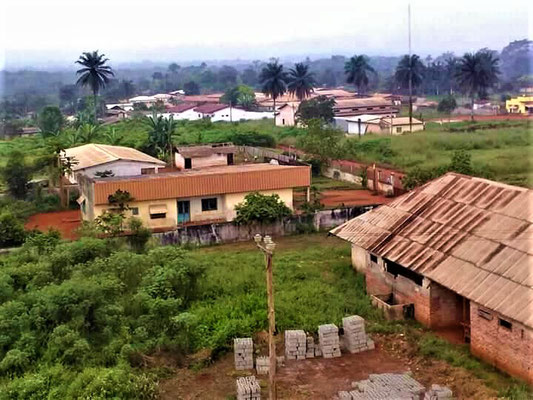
66,222
322,378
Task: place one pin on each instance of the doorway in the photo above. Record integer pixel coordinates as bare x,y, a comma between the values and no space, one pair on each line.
184,211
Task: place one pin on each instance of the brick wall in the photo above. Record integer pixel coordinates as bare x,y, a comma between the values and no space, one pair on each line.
508,349
405,291
446,307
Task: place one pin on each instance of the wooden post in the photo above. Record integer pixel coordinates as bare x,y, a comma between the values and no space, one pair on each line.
271,328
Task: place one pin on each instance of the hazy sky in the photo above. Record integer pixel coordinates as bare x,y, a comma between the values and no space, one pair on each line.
57,31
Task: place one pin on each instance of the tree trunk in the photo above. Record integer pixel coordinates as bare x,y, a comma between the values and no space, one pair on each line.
95,95
410,101
472,109
274,98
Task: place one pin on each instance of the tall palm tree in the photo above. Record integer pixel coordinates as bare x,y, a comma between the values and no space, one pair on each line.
409,73
356,70
273,81
94,73
476,73
300,81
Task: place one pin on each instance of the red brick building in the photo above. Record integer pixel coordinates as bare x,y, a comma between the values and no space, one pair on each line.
459,250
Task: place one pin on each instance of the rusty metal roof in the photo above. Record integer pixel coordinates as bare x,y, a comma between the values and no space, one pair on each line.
471,235
209,181
93,154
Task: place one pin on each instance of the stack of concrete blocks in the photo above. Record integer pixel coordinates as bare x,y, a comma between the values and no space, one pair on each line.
295,345
280,361
310,347
262,365
328,339
243,349
438,392
385,387
355,337
248,388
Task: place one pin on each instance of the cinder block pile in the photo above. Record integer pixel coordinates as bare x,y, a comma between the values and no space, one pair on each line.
355,337
437,392
310,347
261,365
385,387
295,345
243,349
248,388
328,338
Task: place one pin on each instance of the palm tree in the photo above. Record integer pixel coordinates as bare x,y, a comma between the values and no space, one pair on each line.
356,70
113,137
300,81
409,73
273,81
95,74
88,132
476,73
161,133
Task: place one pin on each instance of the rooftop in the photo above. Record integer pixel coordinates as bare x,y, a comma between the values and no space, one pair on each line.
201,182
205,150
210,108
91,155
401,121
471,235
180,107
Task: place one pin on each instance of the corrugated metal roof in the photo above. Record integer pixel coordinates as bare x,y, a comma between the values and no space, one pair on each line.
205,150
471,235
91,155
208,181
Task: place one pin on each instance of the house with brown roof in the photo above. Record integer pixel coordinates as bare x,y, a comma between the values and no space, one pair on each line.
362,106
89,159
457,254
203,196
209,155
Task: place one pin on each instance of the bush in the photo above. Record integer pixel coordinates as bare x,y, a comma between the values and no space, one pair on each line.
12,231
253,139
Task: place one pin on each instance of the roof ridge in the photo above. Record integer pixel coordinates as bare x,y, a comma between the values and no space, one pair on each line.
99,146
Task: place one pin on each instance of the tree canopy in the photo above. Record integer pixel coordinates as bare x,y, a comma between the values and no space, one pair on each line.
357,69
260,208
300,81
320,107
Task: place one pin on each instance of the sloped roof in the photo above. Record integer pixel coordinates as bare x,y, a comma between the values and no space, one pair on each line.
401,121
210,108
91,155
208,181
362,102
471,235
180,107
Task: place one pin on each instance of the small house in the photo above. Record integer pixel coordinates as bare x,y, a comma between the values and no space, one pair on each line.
209,155
457,253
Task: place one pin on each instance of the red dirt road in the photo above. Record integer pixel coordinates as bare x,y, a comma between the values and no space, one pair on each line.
484,118
66,222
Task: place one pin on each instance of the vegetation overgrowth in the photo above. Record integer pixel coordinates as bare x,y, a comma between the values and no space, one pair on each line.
84,319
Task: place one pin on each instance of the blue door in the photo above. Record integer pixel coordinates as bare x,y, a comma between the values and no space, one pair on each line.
184,214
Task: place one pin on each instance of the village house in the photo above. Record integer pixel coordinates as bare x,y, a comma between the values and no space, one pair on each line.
209,155
520,105
361,106
399,125
203,196
183,111
377,124
456,253
89,159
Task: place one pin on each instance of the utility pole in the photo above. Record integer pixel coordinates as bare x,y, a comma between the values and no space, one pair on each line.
410,71
267,247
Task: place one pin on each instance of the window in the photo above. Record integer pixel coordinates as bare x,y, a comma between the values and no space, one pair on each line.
83,207
158,216
135,211
397,269
484,314
209,204
373,258
505,324
188,163
283,121
399,129
147,171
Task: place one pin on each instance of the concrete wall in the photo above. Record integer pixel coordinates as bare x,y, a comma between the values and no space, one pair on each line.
509,350
200,162
119,168
286,116
360,259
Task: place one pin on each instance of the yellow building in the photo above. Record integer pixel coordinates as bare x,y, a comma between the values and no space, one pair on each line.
194,196
520,105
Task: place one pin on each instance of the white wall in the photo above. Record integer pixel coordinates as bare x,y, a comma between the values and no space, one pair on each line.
119,168
199,162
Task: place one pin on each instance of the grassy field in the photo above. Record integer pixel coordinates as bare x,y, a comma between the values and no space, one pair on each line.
500,150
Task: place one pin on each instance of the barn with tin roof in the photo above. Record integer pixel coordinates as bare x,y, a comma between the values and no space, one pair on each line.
456,253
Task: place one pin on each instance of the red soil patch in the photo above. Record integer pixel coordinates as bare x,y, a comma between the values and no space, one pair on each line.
352,198
484,117
321,378
66,222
